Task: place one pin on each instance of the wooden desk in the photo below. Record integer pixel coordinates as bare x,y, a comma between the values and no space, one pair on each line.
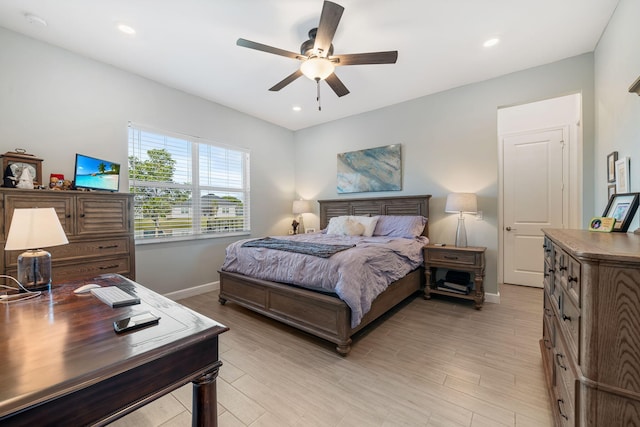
61,363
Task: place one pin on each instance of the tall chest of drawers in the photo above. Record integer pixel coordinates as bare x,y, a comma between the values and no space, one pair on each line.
99,227
591,327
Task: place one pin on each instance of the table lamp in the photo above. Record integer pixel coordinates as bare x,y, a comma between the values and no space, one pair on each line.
299,207
461,203
34,229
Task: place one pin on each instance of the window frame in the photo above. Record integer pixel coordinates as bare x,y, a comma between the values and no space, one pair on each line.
196,188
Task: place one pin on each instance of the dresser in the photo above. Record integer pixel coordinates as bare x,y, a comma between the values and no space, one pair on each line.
591,327
99,227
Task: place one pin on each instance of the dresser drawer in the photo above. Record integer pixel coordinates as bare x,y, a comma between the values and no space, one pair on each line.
74,250
451,257
570,322
564,368
574,280
565,413
67,271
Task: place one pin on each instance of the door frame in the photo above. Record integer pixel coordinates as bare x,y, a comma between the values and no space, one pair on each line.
572,164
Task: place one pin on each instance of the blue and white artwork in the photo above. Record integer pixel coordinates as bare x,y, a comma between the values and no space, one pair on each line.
373,169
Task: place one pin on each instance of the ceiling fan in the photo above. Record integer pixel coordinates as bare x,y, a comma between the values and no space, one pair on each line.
316,54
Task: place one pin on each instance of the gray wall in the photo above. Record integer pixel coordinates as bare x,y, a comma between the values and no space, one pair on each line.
54,104
617,66
449,144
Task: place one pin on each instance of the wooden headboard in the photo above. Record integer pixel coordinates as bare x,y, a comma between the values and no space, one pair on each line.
401,205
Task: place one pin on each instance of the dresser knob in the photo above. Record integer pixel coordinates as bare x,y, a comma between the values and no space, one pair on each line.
561,409
559,358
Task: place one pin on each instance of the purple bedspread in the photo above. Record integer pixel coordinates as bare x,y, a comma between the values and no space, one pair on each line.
357,275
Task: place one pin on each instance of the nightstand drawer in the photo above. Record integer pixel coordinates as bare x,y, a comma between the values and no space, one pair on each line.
451,256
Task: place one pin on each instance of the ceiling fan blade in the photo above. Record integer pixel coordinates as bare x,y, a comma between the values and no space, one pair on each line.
389,57
291,77
268,49
329,19
336,84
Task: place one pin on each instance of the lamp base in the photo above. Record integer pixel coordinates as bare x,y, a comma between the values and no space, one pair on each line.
461,233
34,270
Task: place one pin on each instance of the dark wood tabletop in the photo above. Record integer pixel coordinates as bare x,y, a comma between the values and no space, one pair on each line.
62,363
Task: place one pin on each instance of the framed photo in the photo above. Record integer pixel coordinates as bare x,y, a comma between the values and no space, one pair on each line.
622,175
611,190
611,166
623,208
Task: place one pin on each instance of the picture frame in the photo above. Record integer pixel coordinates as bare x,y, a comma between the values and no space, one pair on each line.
622,207
611,166
611,190
622,175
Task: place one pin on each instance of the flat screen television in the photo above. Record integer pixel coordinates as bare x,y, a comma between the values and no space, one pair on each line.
96,174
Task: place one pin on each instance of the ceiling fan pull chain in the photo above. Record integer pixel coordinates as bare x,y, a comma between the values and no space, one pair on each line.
318,94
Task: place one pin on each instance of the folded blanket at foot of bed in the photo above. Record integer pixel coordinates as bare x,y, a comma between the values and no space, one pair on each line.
316,249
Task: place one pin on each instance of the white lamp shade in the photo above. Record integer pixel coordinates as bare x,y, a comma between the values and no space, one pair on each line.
35,228
461,202
301,206
317,68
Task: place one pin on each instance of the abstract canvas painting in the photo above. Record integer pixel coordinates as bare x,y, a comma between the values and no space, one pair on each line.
373,169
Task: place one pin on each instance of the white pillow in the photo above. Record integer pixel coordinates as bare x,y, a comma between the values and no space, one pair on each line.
345,226
369,223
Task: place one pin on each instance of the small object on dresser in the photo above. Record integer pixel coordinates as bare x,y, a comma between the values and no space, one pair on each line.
602,224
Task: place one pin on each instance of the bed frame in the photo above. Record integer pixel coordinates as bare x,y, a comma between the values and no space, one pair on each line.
323,315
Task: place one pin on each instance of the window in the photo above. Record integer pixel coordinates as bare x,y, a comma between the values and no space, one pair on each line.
186,187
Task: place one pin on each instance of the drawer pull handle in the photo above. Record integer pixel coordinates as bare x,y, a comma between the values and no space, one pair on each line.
559,358
107,267
551,270
563,268
108,247
565,317
547,311
548,347
450,257
81,215
561,409
573,279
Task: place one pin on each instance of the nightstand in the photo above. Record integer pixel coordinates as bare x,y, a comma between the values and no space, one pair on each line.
469,259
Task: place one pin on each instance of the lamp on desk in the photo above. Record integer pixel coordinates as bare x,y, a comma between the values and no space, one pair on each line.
461,203
299,207
34,229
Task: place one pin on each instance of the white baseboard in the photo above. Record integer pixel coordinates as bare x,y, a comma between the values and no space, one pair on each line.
492,298
196,290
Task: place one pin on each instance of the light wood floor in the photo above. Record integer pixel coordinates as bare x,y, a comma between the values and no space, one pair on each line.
428,363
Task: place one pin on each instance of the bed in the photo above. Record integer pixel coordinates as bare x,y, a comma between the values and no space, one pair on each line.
326,315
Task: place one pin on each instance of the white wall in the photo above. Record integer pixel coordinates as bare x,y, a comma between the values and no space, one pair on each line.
617,66
54,103
449,143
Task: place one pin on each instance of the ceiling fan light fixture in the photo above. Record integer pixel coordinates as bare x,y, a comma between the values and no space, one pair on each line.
317,68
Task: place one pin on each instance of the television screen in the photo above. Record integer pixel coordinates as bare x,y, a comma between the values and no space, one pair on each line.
96,174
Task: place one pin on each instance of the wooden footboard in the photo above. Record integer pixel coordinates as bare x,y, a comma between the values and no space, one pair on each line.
321,315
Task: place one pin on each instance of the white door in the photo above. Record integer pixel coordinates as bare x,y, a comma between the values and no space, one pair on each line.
532,200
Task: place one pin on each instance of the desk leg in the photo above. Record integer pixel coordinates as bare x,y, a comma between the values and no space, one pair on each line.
205,399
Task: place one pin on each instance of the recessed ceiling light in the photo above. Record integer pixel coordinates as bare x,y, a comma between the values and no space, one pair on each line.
126,29
491,42
296,108
35,19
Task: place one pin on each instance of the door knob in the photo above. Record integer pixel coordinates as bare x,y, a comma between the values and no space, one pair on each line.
508,228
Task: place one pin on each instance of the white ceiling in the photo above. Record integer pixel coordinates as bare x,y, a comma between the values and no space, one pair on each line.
190,45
